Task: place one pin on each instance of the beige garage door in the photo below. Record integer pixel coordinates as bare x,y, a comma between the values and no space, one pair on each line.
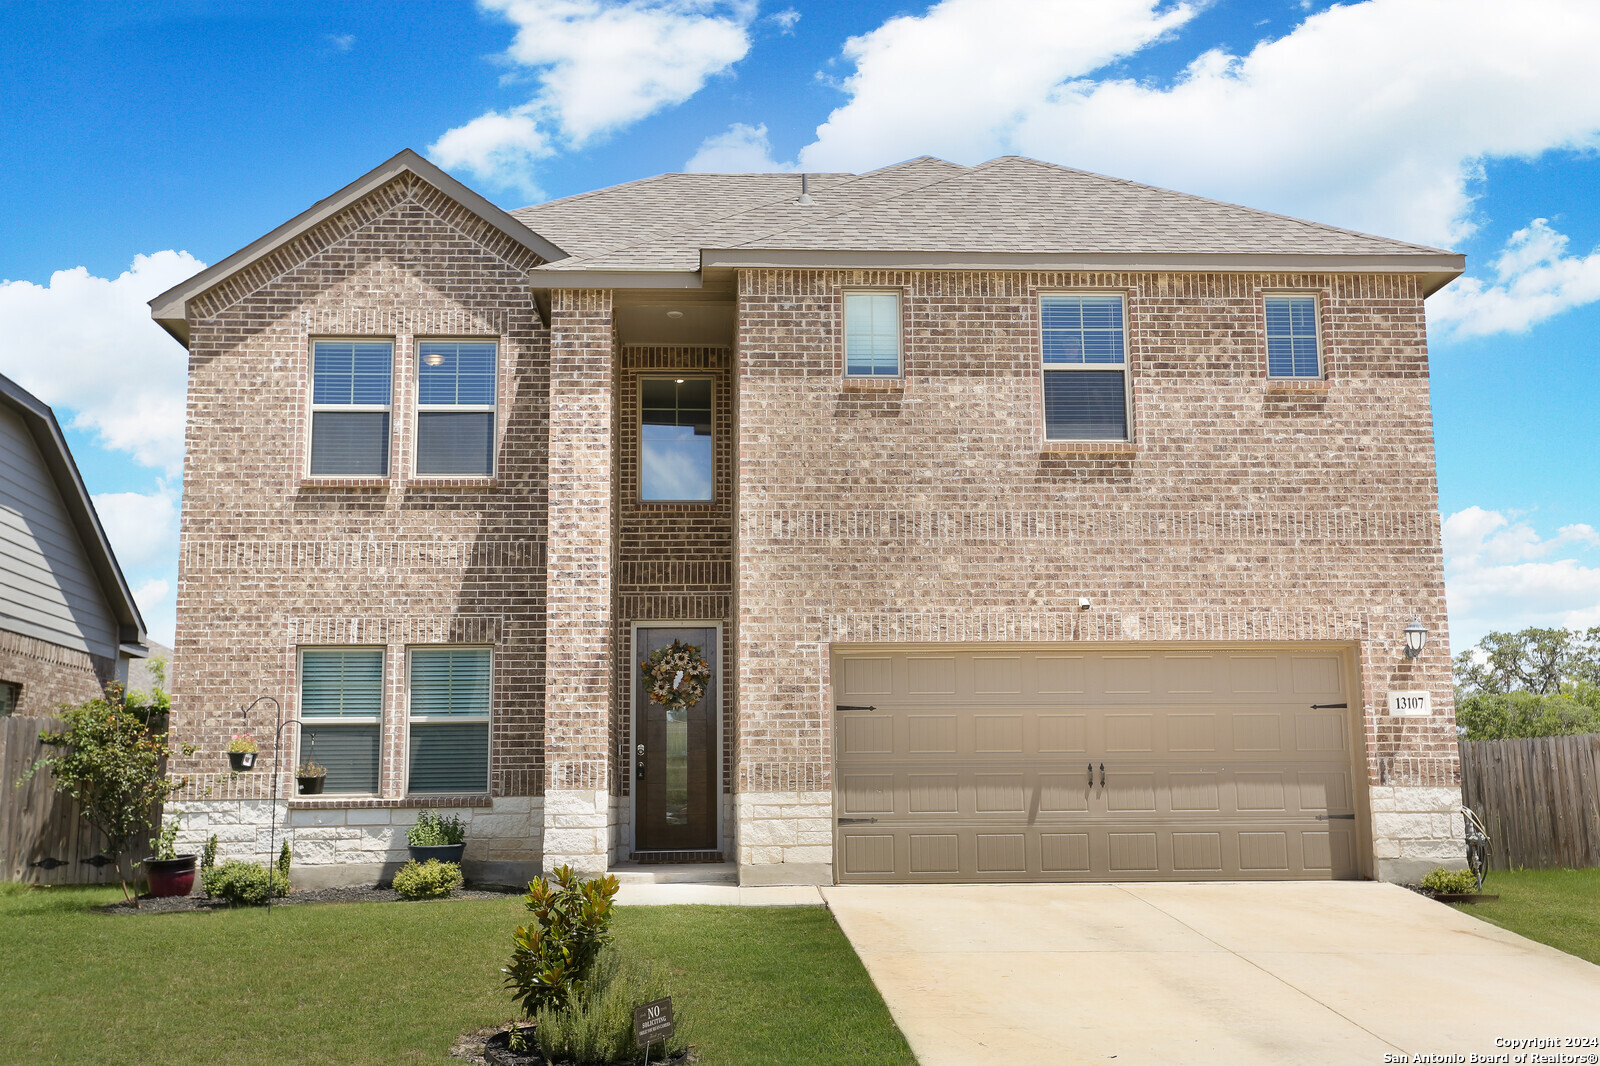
1161,763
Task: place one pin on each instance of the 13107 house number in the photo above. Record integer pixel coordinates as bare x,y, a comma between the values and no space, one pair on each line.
1415,702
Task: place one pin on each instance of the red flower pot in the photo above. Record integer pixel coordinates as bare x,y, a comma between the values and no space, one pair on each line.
170,877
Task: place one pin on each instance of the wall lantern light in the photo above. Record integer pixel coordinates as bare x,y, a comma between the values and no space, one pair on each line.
1416,637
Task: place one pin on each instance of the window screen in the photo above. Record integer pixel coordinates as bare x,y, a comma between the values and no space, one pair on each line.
1085,368
350,408
872,334
455,407
450,720
1292,337
341,710
675,453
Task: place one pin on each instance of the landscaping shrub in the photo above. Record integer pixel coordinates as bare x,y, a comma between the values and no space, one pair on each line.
427,880
284,860
1453,881
432,831
597,1026
244,882
551,959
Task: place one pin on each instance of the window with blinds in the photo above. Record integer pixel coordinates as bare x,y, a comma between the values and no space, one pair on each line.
872,334
1292,337
450,720
341,715
1085,367
350,408
455,407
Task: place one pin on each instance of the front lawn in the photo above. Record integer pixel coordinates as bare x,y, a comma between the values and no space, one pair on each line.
388,983
1556,907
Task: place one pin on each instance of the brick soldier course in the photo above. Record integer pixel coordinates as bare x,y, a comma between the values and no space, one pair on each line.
926,510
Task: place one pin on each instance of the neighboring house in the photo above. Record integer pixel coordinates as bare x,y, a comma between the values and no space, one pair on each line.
68,624
1036,526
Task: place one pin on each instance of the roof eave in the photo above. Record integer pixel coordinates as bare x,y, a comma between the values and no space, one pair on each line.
545,280
1439,268
52,445
170,309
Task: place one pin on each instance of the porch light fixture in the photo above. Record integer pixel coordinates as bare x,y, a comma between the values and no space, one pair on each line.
674,314
1416,637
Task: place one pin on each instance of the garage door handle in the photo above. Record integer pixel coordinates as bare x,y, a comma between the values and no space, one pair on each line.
853,707
1091,775
1328,706
1102,775
858,821
1345,817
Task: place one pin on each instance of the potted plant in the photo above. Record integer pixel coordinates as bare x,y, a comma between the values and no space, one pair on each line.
310,776
242,752
436,837
169,873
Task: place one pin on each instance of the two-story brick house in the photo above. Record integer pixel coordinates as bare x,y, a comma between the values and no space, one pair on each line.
1034,525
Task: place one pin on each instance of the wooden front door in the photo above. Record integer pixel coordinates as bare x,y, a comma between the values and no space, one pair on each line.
675,752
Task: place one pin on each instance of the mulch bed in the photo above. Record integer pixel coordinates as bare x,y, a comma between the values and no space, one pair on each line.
175,904
489,1047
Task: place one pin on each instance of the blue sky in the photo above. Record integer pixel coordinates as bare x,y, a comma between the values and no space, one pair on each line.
143,141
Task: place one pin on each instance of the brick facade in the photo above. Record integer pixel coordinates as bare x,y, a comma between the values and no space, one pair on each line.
49,675
929,510
1240,511
272,561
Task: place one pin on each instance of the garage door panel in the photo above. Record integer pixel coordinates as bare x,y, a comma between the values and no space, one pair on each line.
1215,766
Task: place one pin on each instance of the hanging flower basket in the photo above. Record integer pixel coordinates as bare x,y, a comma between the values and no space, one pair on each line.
677,675
242,752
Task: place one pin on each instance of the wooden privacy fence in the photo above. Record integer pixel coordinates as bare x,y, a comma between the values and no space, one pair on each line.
1539,798
44,840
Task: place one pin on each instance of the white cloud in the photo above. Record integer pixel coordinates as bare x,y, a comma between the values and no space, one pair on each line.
1536,280
87,346
1499,575
785,20
500,149
600,66
158,608
1375,115
342,42
142,527
740,149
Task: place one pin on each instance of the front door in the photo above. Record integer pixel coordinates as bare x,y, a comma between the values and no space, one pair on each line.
675,752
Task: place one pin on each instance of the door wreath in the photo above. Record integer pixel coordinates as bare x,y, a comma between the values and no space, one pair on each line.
677,674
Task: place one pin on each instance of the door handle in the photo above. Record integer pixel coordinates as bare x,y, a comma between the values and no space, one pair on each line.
1102,775
1091,775
639,771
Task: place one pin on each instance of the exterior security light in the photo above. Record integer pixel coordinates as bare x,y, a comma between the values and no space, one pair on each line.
434,359
1416,637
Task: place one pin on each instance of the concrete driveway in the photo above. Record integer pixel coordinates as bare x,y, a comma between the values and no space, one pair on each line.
1282,973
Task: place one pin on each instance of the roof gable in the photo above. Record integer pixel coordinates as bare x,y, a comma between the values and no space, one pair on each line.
170,309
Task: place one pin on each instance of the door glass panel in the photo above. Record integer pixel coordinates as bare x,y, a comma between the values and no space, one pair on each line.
677,768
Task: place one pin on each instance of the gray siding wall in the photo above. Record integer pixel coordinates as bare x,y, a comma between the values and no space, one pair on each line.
47,588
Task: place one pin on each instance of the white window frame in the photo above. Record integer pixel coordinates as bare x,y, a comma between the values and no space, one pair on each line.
311,395
1126,367
1316,326
899,333
456,408
487,718
334,723
638,421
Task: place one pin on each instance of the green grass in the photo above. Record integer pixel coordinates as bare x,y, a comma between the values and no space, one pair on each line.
1556,907
396,983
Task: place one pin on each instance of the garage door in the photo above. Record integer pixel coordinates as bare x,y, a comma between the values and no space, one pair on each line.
1044,765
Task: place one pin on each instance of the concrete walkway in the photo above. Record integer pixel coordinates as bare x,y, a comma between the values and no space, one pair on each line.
717,895
1279,973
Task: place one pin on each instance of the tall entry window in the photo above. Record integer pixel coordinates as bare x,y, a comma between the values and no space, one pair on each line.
675,439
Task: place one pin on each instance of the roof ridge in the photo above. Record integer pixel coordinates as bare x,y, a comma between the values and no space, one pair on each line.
850,179
1213,201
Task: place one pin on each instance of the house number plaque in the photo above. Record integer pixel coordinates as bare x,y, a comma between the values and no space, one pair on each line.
1415,702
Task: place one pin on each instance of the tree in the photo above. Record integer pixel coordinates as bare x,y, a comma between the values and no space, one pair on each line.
1535,683
110,759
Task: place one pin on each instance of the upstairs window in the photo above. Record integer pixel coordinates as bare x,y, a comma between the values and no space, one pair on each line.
675,454
455,407
1085,368
872,334
449,720
341,711
350,408
1292,337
